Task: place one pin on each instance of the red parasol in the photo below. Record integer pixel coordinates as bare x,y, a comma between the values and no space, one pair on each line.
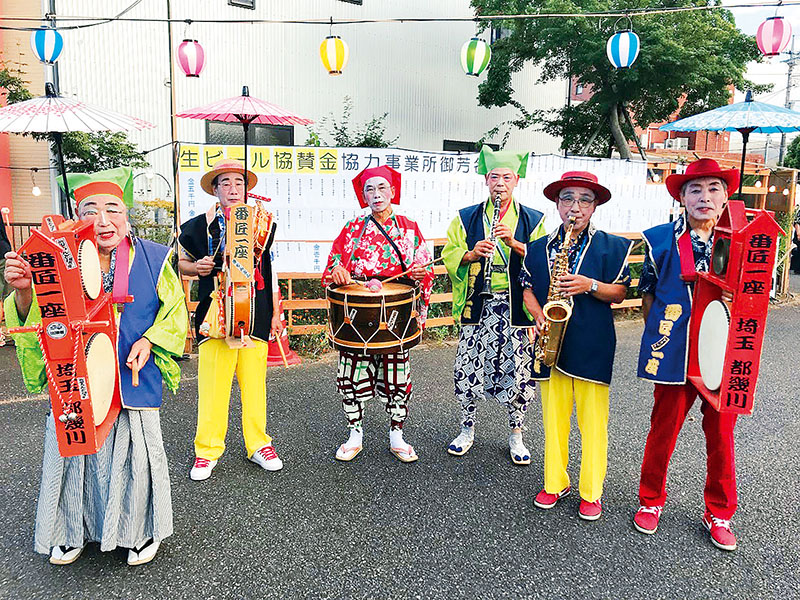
246,110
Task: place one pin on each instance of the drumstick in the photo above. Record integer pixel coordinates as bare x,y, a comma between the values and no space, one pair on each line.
9,231
283,352
407,271
135,370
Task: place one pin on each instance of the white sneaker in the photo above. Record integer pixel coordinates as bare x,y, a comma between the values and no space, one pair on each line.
267,458
143,554
519,453
202,469
461,445
64,555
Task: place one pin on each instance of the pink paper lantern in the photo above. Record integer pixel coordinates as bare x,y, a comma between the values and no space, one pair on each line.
191,58
773,36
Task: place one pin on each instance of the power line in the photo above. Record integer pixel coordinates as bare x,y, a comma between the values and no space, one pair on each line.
84,22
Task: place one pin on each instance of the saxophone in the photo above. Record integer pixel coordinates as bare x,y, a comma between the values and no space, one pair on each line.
557,310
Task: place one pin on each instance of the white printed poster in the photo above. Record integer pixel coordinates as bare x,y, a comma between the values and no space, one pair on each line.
311,194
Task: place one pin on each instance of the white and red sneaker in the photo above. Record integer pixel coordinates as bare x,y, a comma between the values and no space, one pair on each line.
646,519
267,458
201,470
720,529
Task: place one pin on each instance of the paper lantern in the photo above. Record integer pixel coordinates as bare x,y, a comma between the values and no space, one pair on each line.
622,49
773,35
334,54
191,58
47,44
475,56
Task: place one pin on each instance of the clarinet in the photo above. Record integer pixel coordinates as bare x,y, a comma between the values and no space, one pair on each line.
486,292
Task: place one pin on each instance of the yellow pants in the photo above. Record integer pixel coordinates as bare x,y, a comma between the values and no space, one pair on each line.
591,400
216,366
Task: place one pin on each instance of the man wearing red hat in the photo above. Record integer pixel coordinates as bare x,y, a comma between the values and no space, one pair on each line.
203,242
379,244
676,252
590,272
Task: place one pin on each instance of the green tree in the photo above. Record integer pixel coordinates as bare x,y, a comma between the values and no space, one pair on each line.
370,134
792,157
693,55
13,87
87,152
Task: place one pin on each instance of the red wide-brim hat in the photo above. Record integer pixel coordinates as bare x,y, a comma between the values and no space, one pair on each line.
388,173
578,179
705,167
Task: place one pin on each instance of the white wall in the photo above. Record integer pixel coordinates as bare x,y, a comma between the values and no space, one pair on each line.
410,70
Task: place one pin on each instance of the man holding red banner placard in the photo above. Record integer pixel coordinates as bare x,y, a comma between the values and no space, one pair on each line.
676,251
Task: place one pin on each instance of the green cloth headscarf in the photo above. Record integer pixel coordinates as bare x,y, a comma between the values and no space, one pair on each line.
122,176
489,159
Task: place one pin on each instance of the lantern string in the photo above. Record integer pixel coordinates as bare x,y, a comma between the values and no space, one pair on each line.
86,21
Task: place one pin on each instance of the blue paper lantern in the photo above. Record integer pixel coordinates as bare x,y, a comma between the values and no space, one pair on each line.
622,49
47,44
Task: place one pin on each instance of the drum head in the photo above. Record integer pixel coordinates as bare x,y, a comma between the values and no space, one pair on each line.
711,343
101,374
359,289
91,276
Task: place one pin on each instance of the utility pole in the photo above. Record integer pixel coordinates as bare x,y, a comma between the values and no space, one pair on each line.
793,57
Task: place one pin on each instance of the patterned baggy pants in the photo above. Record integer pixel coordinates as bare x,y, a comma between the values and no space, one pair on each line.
363,376
494,361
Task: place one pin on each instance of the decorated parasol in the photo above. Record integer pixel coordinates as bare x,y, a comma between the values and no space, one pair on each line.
247,110
56,115
745,117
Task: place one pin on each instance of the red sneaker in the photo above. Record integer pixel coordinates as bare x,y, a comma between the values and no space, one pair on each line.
545,500
646,519
720,529
590,511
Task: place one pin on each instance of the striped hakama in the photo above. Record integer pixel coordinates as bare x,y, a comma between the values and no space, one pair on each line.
119,496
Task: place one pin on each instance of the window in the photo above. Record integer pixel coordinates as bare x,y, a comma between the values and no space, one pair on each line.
218,132
455,146
251,4
498,33
579,89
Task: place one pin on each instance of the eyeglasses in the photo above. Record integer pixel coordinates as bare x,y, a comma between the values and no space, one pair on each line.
583,202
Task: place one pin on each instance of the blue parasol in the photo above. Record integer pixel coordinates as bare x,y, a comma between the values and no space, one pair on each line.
745,117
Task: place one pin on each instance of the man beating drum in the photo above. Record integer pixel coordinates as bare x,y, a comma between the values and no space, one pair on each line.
380,244
675,250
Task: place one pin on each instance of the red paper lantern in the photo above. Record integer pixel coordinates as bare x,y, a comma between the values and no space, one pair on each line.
191,57
773,36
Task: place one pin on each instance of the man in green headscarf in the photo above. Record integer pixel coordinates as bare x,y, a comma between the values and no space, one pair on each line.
494,356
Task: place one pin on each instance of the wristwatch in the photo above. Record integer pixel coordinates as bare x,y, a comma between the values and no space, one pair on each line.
593,289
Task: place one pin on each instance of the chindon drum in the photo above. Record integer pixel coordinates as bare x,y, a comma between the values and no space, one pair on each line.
370,322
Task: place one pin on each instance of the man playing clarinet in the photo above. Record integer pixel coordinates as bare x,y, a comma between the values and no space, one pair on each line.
494,352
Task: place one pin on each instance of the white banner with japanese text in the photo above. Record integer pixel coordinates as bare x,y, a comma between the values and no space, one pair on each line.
311,193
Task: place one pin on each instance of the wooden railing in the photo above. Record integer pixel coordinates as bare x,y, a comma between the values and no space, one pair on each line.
291,304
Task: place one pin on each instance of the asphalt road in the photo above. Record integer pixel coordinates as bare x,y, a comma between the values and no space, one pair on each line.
443,527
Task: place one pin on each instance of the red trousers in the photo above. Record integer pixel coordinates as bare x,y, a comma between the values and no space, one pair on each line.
672,403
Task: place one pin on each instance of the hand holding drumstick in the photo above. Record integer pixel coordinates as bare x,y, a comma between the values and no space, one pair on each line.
138,357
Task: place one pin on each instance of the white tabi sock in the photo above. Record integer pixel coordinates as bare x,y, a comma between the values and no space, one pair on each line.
396,438
356,438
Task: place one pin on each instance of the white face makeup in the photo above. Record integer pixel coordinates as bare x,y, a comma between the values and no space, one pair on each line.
704,199
110,217
378,194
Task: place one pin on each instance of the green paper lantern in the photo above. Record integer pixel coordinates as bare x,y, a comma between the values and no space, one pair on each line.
475,56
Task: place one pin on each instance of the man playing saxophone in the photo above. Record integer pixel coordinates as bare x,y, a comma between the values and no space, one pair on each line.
494,356
585,269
